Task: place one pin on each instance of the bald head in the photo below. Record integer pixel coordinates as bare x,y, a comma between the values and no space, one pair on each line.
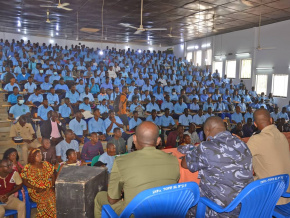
262,118
146,135
213,126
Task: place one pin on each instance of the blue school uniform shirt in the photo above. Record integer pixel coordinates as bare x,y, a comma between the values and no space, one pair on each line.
42,111
73,97
179,109
8,87
35,98
86,107
96,126
151,106
108,122
13,98
18,110
237,117
78,127
103,108
80,88
62,87
156,121
166,121
133,123
64,111
52,98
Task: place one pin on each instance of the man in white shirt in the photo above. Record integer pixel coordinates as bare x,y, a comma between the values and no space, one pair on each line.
109,156
192,133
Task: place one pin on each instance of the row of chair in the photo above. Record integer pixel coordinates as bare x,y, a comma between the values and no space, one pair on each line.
29,204
258,199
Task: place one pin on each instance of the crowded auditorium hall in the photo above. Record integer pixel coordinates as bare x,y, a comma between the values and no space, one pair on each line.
141,108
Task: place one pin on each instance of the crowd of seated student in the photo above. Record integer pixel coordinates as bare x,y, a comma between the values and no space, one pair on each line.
60,84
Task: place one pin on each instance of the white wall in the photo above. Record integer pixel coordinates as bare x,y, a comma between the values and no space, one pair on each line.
272,35
178,50
64,42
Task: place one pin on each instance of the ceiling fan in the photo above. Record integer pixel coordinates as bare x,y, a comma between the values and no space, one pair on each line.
171,36
259,48
59,5
47,18
141,28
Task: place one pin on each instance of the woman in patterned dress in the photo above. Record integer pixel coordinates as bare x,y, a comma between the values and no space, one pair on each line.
39,178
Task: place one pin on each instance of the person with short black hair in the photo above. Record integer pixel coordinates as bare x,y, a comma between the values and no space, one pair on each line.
109,156
10,183
92,148
64,145
134,121
118,141
48,152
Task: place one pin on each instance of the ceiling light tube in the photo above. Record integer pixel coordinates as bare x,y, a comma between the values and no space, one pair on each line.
264,68
220,57
243,54
192,47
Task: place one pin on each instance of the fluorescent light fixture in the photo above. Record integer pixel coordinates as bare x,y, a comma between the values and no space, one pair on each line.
51,41
205,45
192,47
18,30
19,23
24,38
243,54
220,57
57,27
264,68
139,51
56,34
101,52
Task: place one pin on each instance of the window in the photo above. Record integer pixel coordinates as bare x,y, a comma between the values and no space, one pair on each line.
231,69
197,57
246,68
217,65
189,56
280,85
261,83
208,56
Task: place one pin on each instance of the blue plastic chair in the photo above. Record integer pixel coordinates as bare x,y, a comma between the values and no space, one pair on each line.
13,212
258,199
282,211
10,213
29,204
165,201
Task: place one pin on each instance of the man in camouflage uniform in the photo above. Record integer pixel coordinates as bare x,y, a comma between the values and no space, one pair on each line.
224,163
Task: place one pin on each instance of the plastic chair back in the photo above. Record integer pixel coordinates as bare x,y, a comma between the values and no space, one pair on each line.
165,201
258,199
282,211
95,160
11,213
29,204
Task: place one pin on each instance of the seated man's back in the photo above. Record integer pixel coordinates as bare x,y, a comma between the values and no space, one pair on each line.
270,150
224,163
135,172
141,170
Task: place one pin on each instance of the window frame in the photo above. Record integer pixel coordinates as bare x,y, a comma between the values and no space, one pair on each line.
257,75
226,70
195,57
214,68
241,64
287,84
